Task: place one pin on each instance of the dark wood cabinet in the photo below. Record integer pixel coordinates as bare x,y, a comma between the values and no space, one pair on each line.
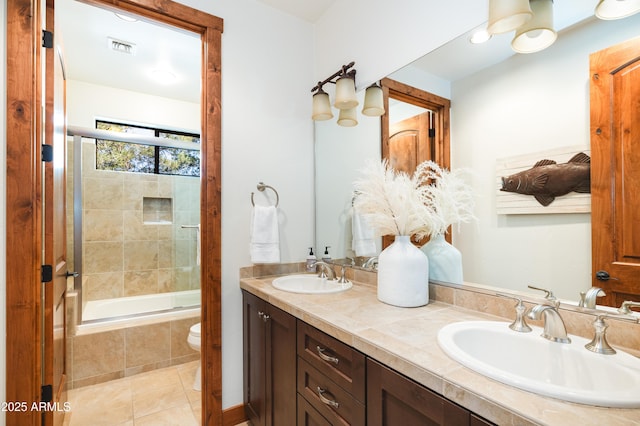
269,363
294,374
393,399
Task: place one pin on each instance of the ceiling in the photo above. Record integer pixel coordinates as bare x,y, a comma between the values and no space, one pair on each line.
85,32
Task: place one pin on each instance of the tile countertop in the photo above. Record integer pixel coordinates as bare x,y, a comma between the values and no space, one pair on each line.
405,339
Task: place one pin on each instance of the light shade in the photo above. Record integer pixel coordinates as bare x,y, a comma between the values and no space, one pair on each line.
616,9
348,117
507,15
345,93
538,33
373,101
321,106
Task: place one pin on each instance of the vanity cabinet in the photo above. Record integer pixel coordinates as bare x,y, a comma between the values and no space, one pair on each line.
393,399
294,374
269,363
331,377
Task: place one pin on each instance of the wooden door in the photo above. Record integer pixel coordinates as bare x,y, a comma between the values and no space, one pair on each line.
55,241
615,171
409,142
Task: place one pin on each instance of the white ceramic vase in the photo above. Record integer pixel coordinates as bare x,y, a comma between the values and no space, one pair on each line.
445,261
403,274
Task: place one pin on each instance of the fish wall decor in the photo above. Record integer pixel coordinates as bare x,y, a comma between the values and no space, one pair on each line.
547,179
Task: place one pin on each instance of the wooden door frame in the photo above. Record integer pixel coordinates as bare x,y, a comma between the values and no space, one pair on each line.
24,196
414,96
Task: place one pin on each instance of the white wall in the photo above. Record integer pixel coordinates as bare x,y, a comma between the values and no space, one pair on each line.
267,135
382,36
86,102
527,104
3,209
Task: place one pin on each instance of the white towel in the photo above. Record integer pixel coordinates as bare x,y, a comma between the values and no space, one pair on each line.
364,243
265,240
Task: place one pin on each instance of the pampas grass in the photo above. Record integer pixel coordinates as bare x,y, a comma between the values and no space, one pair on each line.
392,201
448,193
421,205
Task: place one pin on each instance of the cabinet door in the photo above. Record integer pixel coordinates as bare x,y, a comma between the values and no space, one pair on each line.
281,364
393,400
255,372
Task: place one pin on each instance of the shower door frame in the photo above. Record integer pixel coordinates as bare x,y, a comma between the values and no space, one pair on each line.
24,193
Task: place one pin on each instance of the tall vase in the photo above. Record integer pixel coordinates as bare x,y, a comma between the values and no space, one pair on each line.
403,274
445,261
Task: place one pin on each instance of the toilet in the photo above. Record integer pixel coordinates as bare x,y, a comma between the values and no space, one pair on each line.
194,343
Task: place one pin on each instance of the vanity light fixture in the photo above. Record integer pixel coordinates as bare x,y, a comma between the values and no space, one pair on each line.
345,99
480,36
538,33
373,101
507,15
617,9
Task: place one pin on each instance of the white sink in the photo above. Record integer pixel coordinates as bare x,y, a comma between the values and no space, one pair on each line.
309,284
530,362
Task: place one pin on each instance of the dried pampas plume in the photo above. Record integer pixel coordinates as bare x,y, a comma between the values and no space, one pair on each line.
392,201
424,204
448,192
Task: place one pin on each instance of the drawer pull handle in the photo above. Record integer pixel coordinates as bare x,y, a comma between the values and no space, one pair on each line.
325,400
265,317
326,357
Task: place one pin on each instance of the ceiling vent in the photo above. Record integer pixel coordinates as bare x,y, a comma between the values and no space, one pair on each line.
121,46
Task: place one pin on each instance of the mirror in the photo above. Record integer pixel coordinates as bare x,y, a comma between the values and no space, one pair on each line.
536,105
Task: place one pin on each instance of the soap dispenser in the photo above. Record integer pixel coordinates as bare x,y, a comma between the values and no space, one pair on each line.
311,261
326,256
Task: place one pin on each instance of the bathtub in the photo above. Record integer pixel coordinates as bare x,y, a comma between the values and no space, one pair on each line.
125,312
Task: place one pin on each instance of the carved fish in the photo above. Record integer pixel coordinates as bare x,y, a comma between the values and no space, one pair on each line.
547,180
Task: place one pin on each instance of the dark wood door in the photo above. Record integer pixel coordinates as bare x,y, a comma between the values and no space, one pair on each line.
255,373
269,363
393,400
615,170
281,367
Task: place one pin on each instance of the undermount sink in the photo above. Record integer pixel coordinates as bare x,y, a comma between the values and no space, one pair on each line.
565,371
309,284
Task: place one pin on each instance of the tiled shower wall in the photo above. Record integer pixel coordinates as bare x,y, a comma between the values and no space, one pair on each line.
133,243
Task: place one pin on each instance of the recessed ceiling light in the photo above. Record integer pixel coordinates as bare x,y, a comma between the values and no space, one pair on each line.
126,17
480,36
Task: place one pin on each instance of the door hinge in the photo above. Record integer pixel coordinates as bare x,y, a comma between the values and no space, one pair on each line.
47,273
47,153
46,393
47,39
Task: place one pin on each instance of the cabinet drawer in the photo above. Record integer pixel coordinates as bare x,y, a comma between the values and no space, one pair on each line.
333,402
309,416
341,363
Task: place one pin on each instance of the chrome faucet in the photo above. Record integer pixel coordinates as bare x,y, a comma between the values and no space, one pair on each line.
329,274
372,263
519,324
554,328
599,343
588,299
624,308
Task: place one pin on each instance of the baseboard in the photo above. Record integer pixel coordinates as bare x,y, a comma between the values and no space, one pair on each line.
233,416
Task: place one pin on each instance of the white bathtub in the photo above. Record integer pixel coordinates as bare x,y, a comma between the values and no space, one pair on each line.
122,312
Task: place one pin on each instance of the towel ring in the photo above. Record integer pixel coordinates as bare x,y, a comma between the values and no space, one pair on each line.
261,187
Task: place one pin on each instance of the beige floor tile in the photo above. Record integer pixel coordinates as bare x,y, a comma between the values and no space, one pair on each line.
159,397
176,416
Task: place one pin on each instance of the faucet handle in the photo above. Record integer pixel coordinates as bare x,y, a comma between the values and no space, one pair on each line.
519,324
624,308
599,343
548,294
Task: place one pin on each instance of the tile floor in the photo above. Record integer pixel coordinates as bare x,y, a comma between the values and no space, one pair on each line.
157,398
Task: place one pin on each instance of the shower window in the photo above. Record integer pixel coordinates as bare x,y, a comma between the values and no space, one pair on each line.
131,157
